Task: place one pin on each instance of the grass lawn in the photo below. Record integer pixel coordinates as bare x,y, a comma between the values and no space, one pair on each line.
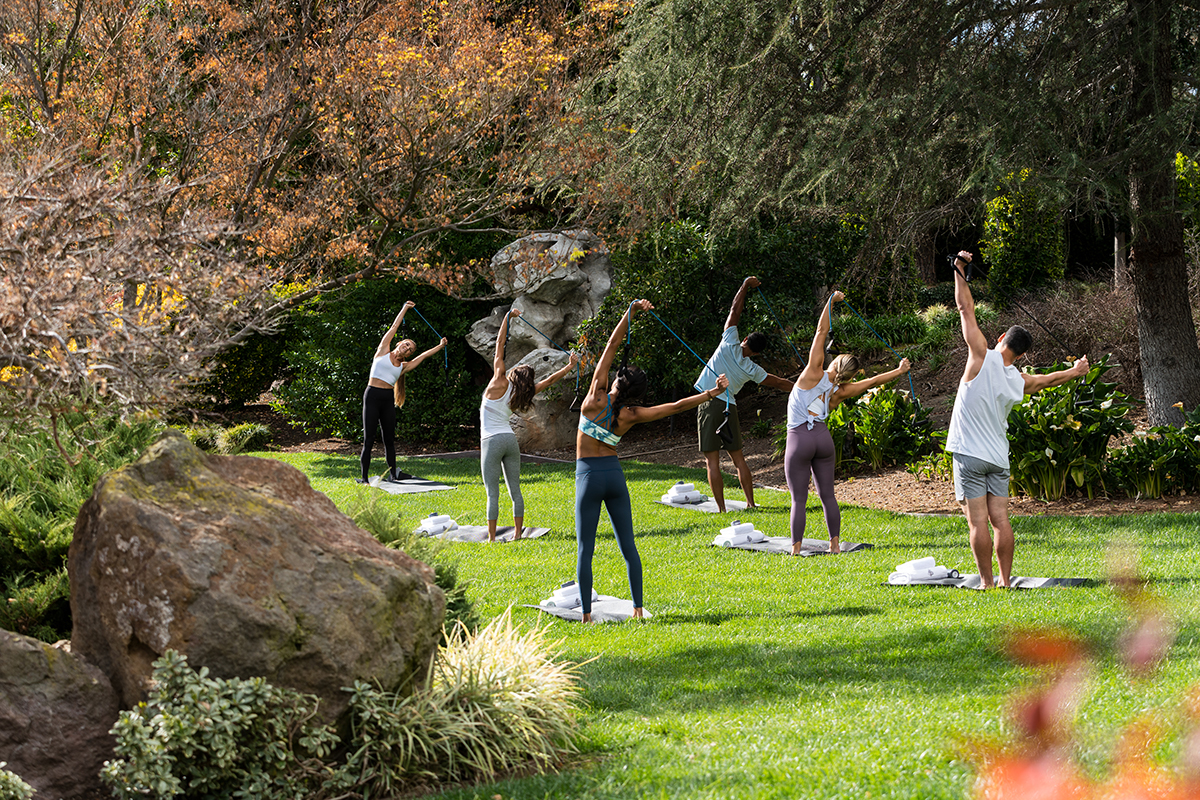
764,676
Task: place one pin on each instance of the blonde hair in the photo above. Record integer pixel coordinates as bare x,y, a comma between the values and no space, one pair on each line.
844,367
398,387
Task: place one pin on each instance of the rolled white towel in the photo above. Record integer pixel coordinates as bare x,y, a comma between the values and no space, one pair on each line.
681,488
917,565
730,538
682,499
755,536
437,519
738,527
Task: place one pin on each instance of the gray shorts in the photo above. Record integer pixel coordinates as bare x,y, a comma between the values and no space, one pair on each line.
974,477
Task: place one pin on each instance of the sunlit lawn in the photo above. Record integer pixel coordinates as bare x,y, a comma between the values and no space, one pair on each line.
764,676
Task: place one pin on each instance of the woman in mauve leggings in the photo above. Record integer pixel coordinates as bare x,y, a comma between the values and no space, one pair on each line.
810,448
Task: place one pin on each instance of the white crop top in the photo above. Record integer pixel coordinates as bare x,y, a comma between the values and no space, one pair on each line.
494,414
383,369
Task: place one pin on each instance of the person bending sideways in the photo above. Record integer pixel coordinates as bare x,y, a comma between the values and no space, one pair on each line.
732,358
607,414
809,450
385,393
507,392
978,438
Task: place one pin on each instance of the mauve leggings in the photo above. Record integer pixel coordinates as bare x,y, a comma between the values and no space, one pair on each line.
811,451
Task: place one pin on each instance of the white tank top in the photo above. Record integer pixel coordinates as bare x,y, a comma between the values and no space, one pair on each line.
494,414
809,406
979,424
383,369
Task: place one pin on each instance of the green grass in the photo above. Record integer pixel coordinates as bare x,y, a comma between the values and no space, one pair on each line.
763,676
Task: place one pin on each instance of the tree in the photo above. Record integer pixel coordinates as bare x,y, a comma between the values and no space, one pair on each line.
913,113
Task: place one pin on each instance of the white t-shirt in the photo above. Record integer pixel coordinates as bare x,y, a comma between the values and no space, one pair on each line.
979,424
494,414
728,360
383,369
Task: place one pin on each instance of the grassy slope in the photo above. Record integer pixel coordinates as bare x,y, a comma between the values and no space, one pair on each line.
763,676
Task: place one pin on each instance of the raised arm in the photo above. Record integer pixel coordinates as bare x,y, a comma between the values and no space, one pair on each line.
854,389
776,382
557,376
385,344
1035,383
501,341
416,362
638,414
739,301
976,341
600,377
816,353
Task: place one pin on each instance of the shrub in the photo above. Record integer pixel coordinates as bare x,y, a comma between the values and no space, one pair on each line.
229,441
1023,238
329,358
241,373
211,737
37,608
1063,432
1163,460
12,787
496,700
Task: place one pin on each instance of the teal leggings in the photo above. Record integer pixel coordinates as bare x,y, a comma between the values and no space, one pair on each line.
600,480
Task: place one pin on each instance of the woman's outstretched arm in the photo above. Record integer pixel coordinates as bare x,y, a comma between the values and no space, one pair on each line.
854,389
385,344
599,383
409,366
651,413
557,376
816,353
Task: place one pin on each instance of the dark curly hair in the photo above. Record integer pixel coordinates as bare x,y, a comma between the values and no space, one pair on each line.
524,387
631,387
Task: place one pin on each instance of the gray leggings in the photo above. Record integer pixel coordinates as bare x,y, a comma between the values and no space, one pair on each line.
811,452
501,453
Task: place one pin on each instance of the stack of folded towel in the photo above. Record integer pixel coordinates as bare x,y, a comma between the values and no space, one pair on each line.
567,596
683,493
436,524
737,534
921,570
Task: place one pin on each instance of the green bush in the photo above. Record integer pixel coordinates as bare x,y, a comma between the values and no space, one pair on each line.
1023,238
1062,433
240,374
329,358
229,441
1187,178
37,608
12,787
198,736
1162,461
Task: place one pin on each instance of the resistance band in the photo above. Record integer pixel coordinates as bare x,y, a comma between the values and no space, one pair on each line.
722,432
781,328
551,341
445,355
911,388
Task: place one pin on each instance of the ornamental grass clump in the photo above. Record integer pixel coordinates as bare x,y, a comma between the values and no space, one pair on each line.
12,787
496,700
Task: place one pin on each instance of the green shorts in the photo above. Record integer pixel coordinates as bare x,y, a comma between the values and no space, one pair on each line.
709,416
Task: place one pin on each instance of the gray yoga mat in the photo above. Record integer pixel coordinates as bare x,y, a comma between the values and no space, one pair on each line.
604,609
409,486
478,533
709,506
782,545
975,582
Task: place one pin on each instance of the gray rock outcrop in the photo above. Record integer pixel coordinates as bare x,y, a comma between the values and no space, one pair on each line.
239,564
56,711
550,424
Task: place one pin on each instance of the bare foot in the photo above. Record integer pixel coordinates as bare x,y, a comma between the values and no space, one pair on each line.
587,617
491,538
796,547
517,533
835,545
637,613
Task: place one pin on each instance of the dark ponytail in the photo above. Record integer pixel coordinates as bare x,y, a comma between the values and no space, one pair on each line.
631,387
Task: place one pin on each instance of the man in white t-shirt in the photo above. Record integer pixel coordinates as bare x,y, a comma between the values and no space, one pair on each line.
731,359
978,436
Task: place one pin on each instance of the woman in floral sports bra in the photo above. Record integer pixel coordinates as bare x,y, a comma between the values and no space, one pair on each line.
809,445
607,415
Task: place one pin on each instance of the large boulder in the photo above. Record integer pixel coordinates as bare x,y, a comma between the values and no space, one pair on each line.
239,564
56,711
549,424
556,279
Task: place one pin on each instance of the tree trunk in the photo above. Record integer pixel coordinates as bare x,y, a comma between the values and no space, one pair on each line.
1157,267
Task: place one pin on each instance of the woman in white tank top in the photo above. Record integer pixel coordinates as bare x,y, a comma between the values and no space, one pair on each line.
385,393
499,453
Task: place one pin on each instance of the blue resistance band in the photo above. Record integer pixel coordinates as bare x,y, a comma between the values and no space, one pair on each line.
551,341
782,330
690,350
445,355
911,388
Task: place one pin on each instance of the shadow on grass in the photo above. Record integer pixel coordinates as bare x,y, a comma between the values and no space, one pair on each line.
720,617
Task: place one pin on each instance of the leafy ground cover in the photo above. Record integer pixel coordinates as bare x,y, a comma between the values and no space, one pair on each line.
770,677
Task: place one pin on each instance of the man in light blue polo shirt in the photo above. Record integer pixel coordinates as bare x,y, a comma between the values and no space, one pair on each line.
978,436
731,359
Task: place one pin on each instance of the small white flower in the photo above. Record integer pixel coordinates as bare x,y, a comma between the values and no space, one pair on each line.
1053,462
1107,403
1049,453
1056,427
1196,438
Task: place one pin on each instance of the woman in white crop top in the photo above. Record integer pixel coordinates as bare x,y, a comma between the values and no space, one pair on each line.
810,449
498,449
385,393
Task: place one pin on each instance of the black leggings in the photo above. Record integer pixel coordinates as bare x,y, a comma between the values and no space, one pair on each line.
379,412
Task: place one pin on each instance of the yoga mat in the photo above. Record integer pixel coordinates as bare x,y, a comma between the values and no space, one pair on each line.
409,486
606,609
975,582
782,545
708,506
478,533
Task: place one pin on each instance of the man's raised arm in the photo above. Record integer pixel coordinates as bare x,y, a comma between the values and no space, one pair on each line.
739,301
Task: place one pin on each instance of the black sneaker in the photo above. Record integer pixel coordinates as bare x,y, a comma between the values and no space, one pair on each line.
397,475
360,480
